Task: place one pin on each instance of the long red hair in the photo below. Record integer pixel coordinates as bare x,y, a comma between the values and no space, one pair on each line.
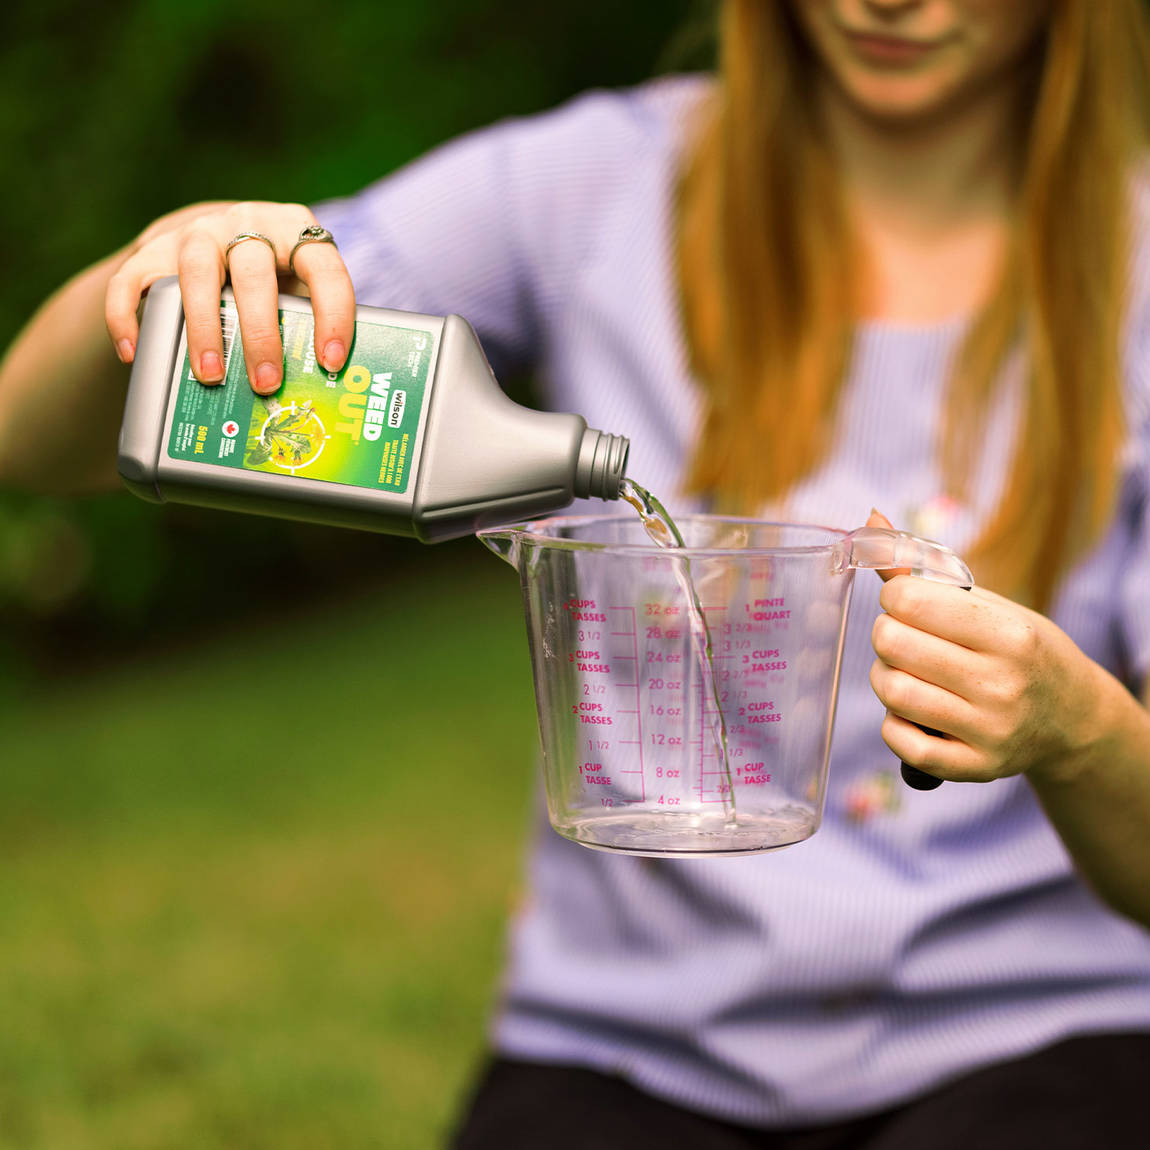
767,273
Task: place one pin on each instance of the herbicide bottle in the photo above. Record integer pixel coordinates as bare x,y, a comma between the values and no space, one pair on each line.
412,437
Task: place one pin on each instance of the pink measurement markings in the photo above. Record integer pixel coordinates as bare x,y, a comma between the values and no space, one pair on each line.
706,740
632,634
625,659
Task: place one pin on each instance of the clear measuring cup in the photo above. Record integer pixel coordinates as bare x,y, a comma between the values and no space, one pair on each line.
686,696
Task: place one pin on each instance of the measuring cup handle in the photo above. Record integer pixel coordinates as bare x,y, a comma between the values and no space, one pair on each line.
881,548
912,776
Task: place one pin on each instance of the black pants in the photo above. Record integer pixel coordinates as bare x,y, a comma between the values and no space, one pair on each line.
1088,1093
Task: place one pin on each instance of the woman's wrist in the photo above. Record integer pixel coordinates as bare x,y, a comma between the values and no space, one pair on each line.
1110,725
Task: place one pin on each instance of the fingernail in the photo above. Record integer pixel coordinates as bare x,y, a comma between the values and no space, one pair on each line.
267,378
334,353
125,350
211,366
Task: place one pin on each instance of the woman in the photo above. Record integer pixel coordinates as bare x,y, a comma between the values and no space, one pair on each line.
894,256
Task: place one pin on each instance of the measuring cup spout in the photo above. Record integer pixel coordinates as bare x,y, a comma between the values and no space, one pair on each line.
879,548
503,541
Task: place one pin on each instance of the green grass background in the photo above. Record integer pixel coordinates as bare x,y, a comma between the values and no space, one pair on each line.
253,889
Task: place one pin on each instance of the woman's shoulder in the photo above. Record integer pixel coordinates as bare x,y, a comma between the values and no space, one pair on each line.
596,127
551,183
494,221
603,133
653,111
563,161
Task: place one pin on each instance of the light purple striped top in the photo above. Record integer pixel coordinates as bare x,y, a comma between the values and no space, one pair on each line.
898,947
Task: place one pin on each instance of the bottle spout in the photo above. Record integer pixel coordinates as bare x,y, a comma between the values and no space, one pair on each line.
601,465
502,541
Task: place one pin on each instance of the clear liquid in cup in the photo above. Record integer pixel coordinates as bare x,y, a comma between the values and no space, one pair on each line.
688,833
660,527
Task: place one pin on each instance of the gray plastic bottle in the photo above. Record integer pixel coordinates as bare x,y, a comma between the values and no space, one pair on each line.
412,437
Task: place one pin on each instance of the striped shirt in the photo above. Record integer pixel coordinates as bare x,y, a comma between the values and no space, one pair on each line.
917,935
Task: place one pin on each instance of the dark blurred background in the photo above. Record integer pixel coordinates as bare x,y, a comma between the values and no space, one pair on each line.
264,787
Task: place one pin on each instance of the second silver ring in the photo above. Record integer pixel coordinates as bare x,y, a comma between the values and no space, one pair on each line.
312,234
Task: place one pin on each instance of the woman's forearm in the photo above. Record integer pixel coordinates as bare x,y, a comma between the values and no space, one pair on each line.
62,393
61,384
1099,802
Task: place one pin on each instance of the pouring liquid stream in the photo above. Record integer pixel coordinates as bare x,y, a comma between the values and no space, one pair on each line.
661,529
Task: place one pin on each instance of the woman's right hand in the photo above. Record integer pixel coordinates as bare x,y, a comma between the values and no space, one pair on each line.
192,242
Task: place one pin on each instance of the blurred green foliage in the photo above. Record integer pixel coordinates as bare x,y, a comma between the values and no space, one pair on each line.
113,112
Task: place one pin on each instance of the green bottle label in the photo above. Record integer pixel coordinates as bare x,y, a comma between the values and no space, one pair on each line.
356,426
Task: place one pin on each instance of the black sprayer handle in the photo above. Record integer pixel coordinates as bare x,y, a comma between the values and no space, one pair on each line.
912,776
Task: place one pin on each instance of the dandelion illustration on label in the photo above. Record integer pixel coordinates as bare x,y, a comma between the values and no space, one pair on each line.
290,438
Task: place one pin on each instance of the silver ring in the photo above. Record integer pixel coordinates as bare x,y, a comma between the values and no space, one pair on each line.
312,234
239,238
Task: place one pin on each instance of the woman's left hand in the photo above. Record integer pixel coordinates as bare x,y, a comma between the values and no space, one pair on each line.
1008,689
1012,694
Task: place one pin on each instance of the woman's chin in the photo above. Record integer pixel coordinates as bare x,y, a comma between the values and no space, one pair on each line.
900,100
